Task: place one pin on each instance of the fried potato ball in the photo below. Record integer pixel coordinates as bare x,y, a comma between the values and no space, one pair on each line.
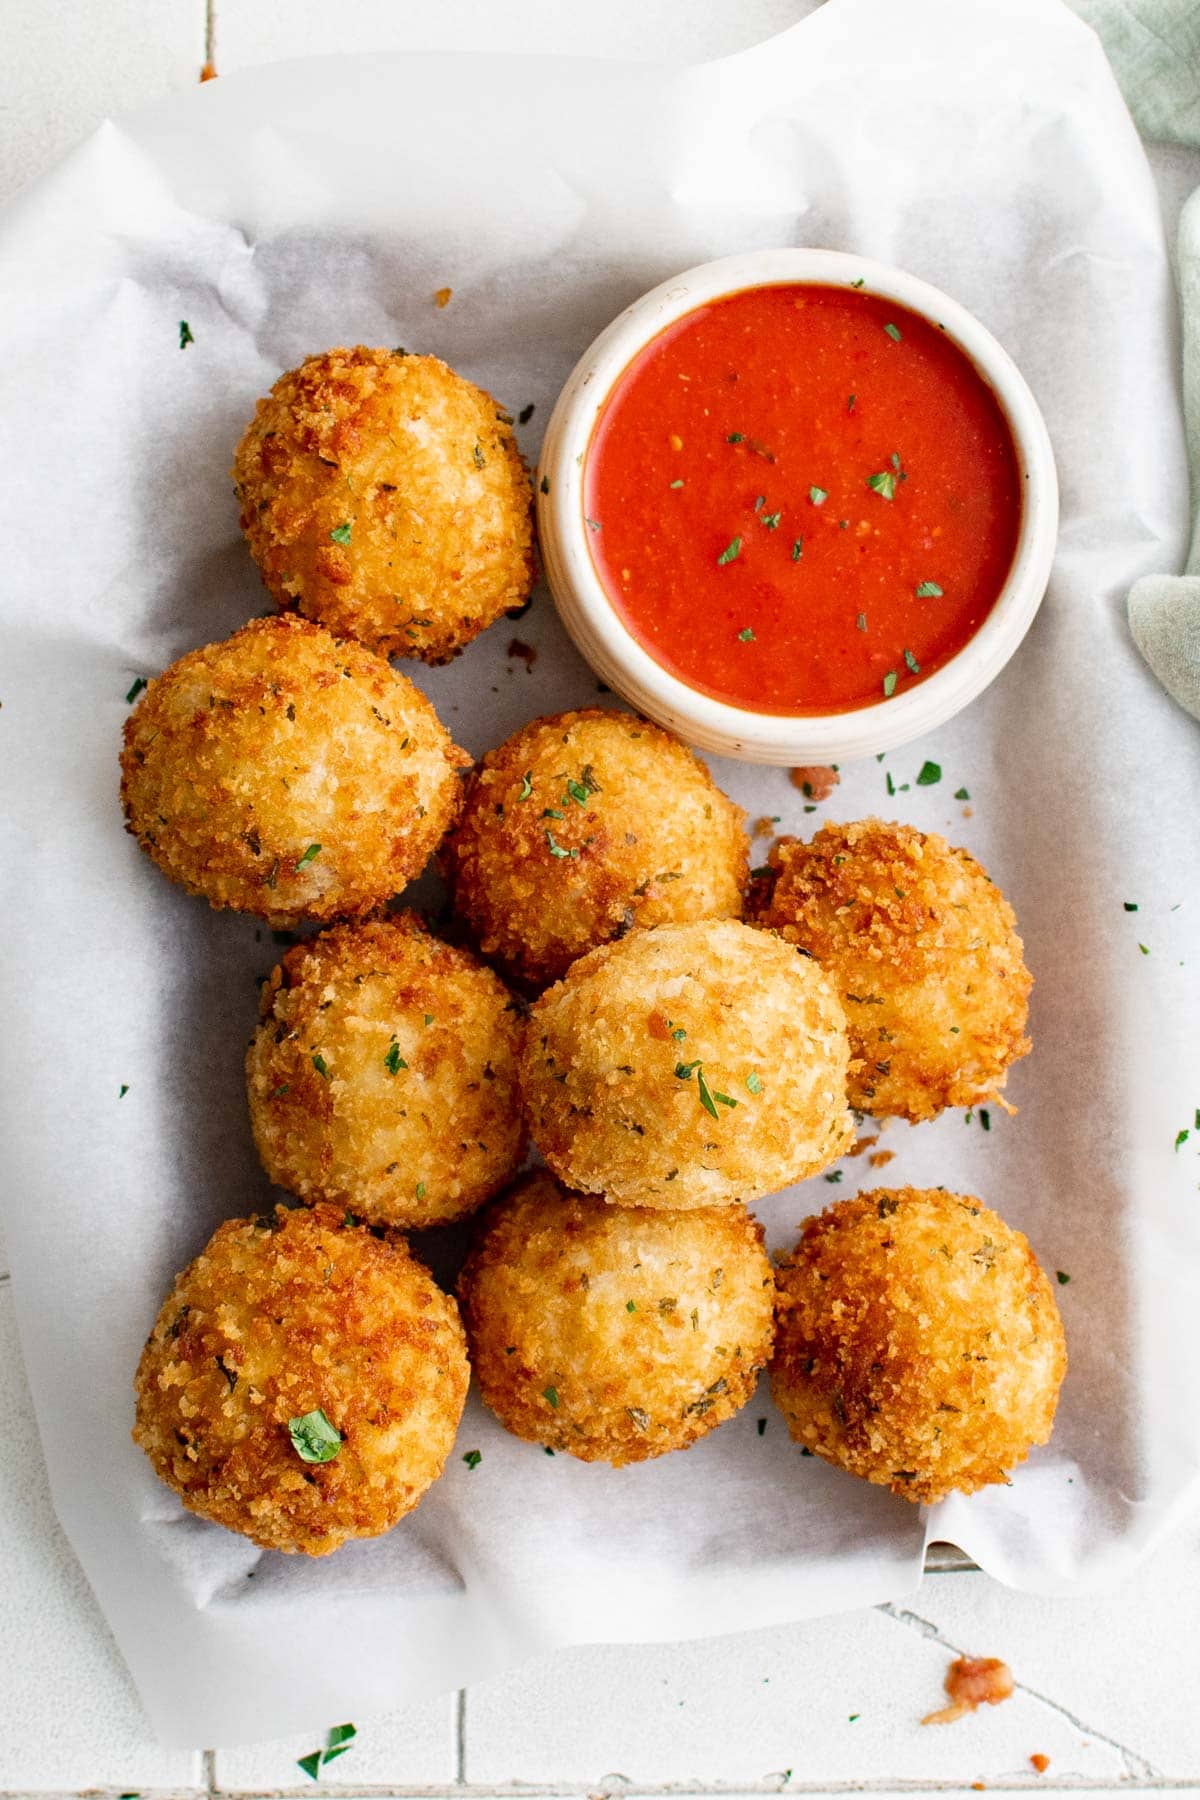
385,496
615,1333
688,1065
286,774
924,950
918,1343
383,1076
582,825
303,1382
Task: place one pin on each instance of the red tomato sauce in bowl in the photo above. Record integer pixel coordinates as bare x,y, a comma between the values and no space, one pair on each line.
801,499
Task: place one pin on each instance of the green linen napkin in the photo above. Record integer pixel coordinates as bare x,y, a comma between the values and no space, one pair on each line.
1154,48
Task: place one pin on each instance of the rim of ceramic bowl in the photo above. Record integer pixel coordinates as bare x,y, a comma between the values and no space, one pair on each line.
626,666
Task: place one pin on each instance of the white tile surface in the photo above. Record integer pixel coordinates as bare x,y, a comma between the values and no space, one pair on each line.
687,30
414,1746
69,1717
746,1710
70,63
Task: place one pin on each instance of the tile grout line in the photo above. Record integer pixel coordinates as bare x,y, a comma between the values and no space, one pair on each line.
577,1790
460,1737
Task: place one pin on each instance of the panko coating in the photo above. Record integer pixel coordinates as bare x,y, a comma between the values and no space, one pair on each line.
384,495
582,825
283,773
615,1333
383,1076
302,1332
688,1065
924,950
918,1343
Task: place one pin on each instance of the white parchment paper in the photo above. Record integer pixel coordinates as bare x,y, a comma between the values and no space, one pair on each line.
982,146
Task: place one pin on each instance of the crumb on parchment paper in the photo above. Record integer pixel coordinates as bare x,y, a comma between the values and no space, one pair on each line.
443,296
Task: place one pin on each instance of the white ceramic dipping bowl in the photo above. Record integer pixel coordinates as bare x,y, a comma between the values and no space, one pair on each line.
714,725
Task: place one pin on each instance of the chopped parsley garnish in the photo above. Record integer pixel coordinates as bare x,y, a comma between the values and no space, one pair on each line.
313,850
818,495
891,786
861,622
428,1019
735,437
545,484
1181,1137
341,533
186,336
393,1062
836,1176
526,785
961,794
884,484
677,483
473,1458
421,1190
861,282
550,1394
893,332
1130,905
592,524
928,590
135,690
889,683
760,502
745,635
931,773
314,1439
706,1099
797,549
1062,1277
762,1426
1144,949
525,414
320,1065
479,457
555,848
850,403
911,663
730,551
754,1082
337,1744
770,520
630,1306
985,1118
124,1090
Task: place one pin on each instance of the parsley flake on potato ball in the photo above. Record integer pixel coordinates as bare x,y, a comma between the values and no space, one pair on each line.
688,1065
583,824
918,1343
924,950
384,495
383,1076
283,773
614,1333
303,1382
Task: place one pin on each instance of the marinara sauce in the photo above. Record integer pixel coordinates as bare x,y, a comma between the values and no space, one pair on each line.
802,499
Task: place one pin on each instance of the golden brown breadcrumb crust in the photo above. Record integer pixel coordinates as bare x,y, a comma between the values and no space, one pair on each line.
279,1317
925,953
383,1076
688,1065
283,773
918,1343
384,495
582,825
614,1333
